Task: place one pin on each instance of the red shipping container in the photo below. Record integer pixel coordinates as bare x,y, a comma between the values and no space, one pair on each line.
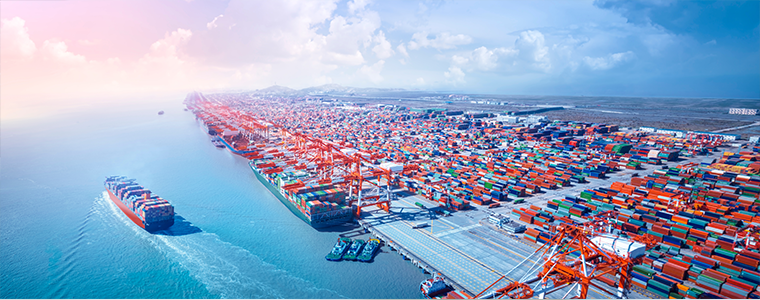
674,270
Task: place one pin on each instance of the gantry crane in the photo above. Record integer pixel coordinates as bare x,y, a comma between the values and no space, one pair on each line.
573,260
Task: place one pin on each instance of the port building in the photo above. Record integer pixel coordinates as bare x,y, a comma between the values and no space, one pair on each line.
743,111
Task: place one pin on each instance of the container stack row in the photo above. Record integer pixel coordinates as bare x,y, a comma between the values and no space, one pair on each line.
698,216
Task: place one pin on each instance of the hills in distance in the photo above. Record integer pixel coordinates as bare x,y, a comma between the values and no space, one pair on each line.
321,90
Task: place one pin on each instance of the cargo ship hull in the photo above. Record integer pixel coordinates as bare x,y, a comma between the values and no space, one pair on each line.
150,227
153,226
341,219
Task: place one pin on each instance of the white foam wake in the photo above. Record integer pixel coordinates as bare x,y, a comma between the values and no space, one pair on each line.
225,269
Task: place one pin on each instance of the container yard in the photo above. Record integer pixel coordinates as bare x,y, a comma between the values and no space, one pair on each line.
516,210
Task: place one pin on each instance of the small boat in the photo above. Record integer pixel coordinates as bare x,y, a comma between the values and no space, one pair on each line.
339,249
434,287
370,249
161,112
354,250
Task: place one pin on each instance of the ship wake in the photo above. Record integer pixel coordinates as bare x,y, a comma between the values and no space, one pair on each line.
226,270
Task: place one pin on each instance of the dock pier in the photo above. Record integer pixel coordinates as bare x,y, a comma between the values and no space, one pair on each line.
406,254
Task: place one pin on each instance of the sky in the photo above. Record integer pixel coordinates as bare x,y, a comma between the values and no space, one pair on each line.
658,48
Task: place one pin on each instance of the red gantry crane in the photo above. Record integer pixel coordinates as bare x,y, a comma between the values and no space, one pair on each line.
573,261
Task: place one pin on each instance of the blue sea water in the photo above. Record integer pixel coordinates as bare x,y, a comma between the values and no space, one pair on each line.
61,237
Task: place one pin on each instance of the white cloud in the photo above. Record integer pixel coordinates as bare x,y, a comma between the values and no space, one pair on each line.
373,72
212,24
420,81
444,40
383,48
482,58
58,51
454,75
346,35
352,59
401,49
532,49
658,43
609,61
712,42
14,40
357,5
164,51
421,8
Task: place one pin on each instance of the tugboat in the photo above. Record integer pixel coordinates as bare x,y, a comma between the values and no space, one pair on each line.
339,249
161,112
356,247
434,287
369,251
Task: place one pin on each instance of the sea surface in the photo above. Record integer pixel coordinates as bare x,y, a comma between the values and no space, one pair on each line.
61,237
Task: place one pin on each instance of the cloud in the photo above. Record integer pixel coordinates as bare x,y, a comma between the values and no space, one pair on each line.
482,58
637,12
382,48
609,61
443,40
261,32
14,40
420,81
711,42
347,35
373,72
402,49
357,5
352,59
58,51
658,43
165,51
454,75
212,24
532,49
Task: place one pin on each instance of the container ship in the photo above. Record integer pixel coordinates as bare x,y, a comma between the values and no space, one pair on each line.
148,211
319,205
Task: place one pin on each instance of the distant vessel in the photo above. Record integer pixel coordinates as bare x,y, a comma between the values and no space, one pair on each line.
354,250
161,112
370,249
433,287
336,254
150,212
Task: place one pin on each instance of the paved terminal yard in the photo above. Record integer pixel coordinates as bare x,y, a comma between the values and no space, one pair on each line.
467,250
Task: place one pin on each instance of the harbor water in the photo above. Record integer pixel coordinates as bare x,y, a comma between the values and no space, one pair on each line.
61,237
